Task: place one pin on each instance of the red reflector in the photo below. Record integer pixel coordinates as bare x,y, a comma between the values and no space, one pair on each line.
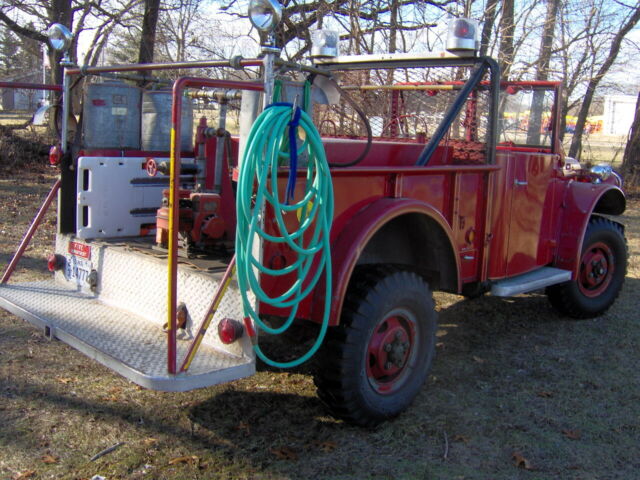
55,155
55,262
98,102
229,330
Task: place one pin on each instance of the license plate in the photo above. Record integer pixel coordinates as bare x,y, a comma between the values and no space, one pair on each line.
77,269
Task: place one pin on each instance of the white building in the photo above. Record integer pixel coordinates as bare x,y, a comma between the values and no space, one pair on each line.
619,111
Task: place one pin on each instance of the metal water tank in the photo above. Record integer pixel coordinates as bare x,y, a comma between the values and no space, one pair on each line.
156,121
111,116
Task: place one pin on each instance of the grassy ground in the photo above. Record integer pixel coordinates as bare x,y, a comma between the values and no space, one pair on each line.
516,392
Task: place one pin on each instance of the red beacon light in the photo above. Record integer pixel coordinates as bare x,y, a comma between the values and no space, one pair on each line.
462,35
229,330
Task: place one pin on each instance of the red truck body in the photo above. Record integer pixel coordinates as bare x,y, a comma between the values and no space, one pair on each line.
465,194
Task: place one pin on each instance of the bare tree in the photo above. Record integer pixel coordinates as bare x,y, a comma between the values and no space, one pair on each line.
630,22
149,23
362,20
99,16
542,71
55,11
490,13
631,159
507,28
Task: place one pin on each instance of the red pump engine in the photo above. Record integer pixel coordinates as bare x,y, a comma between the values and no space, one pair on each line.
200,224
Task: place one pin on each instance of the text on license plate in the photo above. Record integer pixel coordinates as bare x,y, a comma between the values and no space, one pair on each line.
77,268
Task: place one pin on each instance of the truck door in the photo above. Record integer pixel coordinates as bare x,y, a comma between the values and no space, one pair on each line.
529,176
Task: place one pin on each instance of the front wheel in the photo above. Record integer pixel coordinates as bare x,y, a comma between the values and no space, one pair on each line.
603,266
374,364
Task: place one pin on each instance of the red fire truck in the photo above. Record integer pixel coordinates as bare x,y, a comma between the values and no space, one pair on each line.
340,193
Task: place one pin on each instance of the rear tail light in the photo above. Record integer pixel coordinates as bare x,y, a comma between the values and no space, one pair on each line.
55,262
229,330
55,155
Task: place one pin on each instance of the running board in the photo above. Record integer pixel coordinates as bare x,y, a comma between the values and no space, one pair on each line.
528,282
122,341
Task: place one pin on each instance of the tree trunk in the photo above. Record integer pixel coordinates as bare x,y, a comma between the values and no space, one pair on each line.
60,12
393,27
631,158
507,30
489,20
542,73
149,23
576,143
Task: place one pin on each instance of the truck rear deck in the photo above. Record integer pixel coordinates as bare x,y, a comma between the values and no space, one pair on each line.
120,324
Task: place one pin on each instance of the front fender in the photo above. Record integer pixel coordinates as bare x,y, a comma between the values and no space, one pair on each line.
580,201
356,234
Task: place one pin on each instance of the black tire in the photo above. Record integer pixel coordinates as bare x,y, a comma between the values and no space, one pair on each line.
373,365
603,266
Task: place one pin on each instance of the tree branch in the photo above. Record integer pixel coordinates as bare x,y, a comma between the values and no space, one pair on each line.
20,30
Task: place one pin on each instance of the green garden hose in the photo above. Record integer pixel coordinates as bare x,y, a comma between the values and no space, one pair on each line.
273,139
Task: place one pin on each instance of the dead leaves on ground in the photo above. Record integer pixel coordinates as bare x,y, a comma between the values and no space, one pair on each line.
113,395
50,459
285,453
572,434
327,447
24,475
188,459
150,442
289,453
520,461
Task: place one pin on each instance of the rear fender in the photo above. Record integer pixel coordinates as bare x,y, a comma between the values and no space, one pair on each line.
352,241
581,200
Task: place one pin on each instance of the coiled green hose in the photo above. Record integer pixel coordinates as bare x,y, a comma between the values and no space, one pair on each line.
257,192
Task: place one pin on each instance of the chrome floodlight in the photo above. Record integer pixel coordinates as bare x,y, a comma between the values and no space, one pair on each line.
60,37
602,171
265,14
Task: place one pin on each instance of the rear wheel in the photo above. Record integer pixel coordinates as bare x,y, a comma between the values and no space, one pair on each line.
374,364
603,266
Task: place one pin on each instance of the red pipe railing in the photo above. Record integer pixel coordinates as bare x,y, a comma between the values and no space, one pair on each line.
176,125
32,229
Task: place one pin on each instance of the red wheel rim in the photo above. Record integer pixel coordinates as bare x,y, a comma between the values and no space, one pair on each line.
596,269
391,352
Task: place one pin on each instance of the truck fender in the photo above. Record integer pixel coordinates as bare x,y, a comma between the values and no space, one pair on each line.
580,201
352,240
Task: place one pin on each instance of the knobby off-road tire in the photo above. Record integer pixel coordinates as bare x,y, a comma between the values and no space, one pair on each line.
373,365
603,266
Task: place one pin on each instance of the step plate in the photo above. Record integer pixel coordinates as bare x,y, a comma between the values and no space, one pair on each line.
528,282
120,340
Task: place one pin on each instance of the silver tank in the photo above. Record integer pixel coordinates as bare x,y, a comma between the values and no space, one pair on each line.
156,121
111,116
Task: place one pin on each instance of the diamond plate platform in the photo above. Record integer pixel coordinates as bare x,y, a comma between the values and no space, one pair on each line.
125,342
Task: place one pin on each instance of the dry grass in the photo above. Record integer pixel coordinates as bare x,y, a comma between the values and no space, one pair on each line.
511,378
